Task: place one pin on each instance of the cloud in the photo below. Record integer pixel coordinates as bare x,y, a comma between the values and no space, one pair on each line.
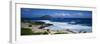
61,15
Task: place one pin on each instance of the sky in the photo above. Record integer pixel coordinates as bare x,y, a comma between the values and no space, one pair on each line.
56,13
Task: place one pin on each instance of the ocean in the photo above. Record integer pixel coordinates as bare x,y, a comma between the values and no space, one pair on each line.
74,24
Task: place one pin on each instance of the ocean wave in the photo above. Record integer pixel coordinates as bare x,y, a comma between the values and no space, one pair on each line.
66,25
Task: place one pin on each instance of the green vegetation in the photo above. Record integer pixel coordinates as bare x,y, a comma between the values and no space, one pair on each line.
27,31
40,33
60,33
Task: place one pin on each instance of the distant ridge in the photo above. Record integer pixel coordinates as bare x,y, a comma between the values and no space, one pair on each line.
46,17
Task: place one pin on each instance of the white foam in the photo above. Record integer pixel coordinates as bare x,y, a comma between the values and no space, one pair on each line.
63,25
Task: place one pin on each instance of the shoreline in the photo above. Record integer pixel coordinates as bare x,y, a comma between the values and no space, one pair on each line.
36,29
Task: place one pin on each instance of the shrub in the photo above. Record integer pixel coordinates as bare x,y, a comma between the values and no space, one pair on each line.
60,33
45,33
26,31
39,33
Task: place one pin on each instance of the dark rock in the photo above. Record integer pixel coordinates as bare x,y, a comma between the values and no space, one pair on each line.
45,25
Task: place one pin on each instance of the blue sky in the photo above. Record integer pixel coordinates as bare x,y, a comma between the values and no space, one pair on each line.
33,12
